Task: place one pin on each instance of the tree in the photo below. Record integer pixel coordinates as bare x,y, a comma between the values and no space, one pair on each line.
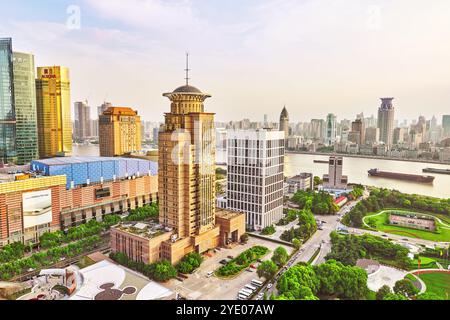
405,287
267,269
317,181
372,222
267,231
347,282
407,203
297,243
219,188
244,238
299,276
394,296
280,256
429,296
164,271
382,292
328,274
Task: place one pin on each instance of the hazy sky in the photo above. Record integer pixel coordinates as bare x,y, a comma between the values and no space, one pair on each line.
252,56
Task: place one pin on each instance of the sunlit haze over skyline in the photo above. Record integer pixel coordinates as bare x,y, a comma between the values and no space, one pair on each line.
314,56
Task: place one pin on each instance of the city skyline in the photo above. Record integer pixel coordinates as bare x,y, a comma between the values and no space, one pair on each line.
302,154
317,63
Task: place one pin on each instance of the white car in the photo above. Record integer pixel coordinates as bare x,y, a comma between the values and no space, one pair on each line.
209,274
269,286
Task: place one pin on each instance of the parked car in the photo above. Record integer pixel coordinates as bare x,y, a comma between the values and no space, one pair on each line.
224,261
270,285
209,274
249,270
230,257
252,266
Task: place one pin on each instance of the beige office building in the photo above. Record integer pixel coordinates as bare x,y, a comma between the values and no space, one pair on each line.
119,132
187,168
53,111
188,220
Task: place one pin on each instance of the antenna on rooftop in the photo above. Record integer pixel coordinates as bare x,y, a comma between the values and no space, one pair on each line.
187,69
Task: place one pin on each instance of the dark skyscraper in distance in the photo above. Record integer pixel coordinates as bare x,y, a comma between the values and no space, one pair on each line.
386,114
82,120
8,152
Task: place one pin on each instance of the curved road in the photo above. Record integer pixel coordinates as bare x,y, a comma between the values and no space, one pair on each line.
320,239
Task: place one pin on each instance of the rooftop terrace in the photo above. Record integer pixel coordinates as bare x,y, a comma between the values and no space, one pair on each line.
148,230
227,214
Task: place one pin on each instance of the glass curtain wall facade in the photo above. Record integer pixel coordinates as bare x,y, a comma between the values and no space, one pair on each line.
25,105
53,112
8,152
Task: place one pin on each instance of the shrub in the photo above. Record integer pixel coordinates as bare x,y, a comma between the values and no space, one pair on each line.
190,262
267,231
242,261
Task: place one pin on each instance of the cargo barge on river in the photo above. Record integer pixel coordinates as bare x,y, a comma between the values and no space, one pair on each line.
401,176
439,171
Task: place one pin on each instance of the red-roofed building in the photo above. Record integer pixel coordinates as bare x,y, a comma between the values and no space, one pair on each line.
341,201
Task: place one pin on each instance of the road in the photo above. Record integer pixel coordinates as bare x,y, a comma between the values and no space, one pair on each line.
321,239
398,238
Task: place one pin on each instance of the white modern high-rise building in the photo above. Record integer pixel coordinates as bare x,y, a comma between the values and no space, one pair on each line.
256,175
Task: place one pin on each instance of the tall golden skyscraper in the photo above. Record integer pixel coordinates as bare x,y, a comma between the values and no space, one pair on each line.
187,167
186,187
53,111
119,132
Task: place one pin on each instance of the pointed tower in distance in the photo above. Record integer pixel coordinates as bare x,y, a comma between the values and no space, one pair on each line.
284,122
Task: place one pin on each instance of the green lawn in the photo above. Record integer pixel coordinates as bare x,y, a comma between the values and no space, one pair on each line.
85,262
425,263
437,283
371,295
380,223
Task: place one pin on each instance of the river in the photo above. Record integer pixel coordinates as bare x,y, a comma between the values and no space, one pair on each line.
355,168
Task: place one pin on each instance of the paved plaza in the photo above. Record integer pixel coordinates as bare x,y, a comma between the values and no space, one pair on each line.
385,276
199,287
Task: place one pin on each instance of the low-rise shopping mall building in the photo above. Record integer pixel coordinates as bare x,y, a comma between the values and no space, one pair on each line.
60,193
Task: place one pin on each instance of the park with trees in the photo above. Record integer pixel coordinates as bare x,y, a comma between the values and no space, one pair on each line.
320,203
242,261
48,257
57,245
380,222
307,226
381,199
348,249
437,288
329,280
